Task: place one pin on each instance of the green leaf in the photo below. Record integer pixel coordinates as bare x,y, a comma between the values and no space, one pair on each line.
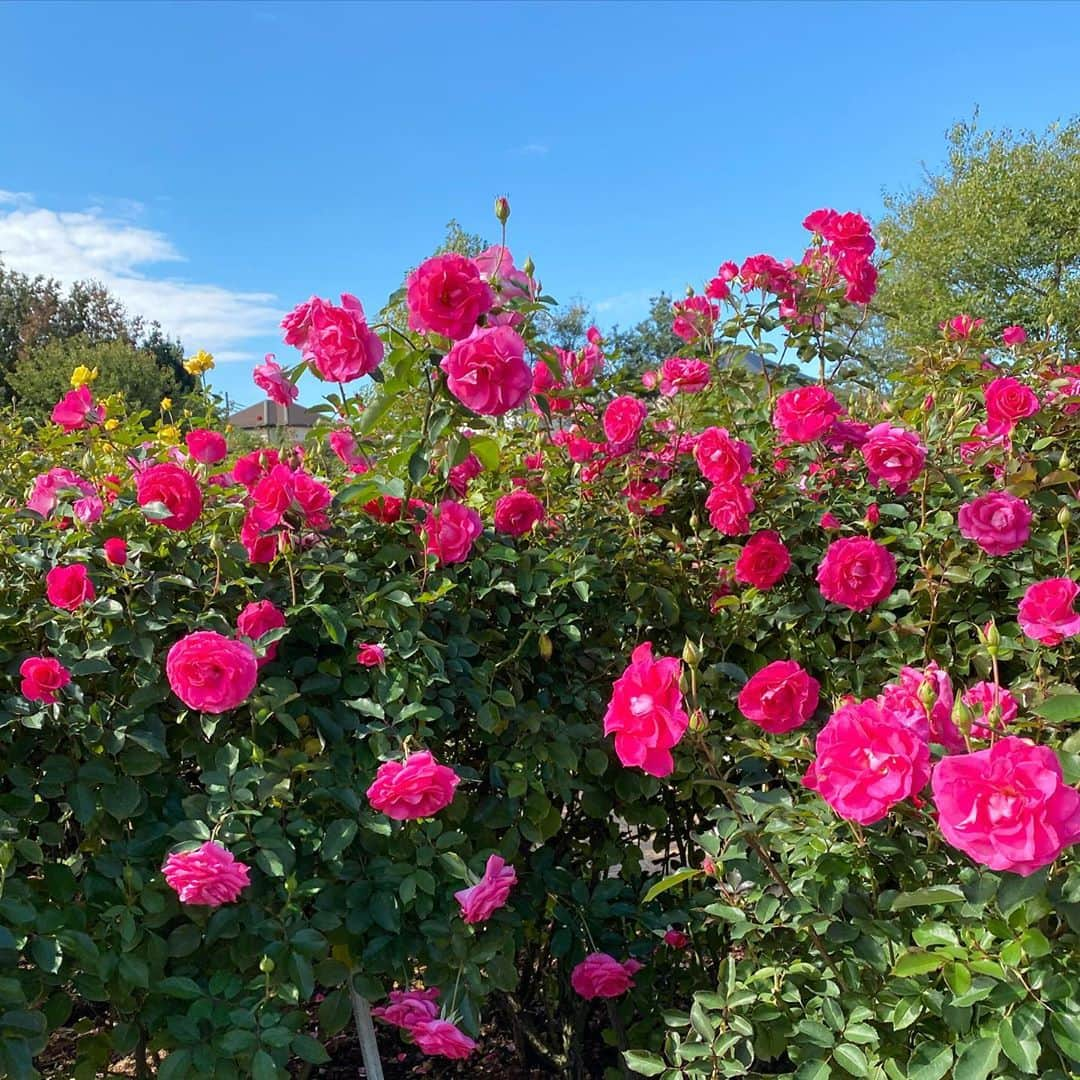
177,1066
669,882
1022,1052
917,962
1066,1032
701,1023
816,1033
333,623
339,835
644,1062
977,1060
179,986
935,894
931,1061
906,1013
851,1058
263,1067
487,450
309,1049
1060,708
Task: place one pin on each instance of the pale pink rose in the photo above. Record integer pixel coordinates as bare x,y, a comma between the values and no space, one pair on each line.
893,456
417,787
69,587
209,875
730,506
480,901
258,618
982,698
43,677
56,485
270,378
780,697
370,655
1007,401
210,672
447,295
174,487
442,1038
623,418
1046,611
856,573
487,372
997,521
518,513
763,561
88,509
409,1007
76,410
1013,335
646,711
805,414
682,375
600,975
867,762
1007,807
450,531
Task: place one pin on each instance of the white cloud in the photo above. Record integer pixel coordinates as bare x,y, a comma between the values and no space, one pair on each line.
633,301
74,246
537,149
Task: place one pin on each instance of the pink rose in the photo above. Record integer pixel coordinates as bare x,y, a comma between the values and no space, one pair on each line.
270,378
682,375
417,787
929,695
1007,807
480,901
370,655
496,265
42,678
1007,401
1013,335
487,371
982,699
622,421
1046,611
450,531
339,345
209,875
447,295
207,447
176,488
602,976
69,587
961,326
676,939
115,549
763,561
805,414
695,318
460,476
867,762
646,711
856,573
830,522
258,618
518,513
88,509
442,1038
894,456
730,506
210,672
76,410
409,1007
721,459
297,324
49,488
284,491
780,697
997,521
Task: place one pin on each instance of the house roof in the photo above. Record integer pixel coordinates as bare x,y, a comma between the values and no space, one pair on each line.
269,414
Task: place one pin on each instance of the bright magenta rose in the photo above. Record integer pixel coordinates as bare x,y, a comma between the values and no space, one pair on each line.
209,875
622,421
258,618
447,295
856,573
371,655
1008,401
730,506
1046,611
76,410
997,521
676,939
487,371
450,531
805,414
646,711
982,699
43,677
893,456
440,1037
602,976
115,549
1013,335
207,447
409,1007
210,672
176,488
763,561
867,762
780,697
480,901
721,459
683,375
270,378
1007,807
69,587
930,694
339,345
417,787
518,513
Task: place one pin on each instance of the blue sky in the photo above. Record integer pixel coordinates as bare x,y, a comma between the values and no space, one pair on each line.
217,163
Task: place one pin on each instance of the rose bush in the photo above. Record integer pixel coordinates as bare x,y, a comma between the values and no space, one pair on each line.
730,730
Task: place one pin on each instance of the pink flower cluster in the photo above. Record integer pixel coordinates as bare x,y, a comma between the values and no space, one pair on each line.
416,1012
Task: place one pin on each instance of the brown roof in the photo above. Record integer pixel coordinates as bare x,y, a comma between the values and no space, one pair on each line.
268,414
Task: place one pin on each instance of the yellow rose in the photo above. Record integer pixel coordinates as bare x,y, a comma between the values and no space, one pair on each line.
112,425
169,434
201,362
83,375
166,404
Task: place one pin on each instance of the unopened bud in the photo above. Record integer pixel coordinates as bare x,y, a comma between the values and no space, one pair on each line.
545,647
694,521
698,721
1064,517
1063,461
927,695
993,717
266,965
529,266
689,291
962,716
928,403
990,637
502,209
692,653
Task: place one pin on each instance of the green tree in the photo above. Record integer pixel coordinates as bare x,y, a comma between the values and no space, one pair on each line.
41,378
995,233
651,341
